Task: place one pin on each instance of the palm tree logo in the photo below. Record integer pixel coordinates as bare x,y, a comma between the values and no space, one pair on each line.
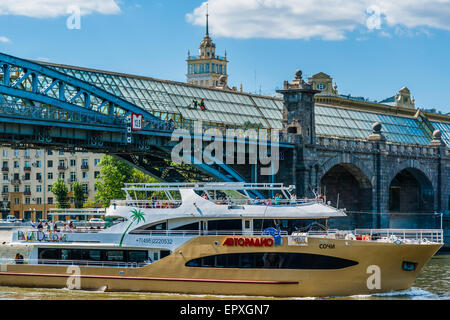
137,215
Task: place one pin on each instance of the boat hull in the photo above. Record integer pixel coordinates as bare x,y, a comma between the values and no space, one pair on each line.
378,269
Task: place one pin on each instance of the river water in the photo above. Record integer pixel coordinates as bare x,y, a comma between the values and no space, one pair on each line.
433,283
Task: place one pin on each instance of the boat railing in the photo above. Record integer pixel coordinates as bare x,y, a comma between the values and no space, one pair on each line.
405,235
203,232
148,204
172,204
421,236
82,263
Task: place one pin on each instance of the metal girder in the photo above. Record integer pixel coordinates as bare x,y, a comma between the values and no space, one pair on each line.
66,85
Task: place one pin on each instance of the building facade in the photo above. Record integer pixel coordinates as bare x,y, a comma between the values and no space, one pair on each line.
28,175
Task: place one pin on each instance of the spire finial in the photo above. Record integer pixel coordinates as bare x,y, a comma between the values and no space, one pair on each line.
207,19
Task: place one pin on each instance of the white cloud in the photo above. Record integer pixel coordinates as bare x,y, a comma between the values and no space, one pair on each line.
56,8
325,19
4,40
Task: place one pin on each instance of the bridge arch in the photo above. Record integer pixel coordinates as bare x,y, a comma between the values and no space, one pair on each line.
347,186
410,191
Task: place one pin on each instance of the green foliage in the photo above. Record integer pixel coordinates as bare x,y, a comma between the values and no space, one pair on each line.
61,193
78,194
113,176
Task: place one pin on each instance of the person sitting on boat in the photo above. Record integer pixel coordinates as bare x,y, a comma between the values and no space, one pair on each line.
18,258
148,261
154,199
205,196
277,199
294,199
257,201
40,226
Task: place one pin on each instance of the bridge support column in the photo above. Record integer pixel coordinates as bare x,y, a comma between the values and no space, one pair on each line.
380,198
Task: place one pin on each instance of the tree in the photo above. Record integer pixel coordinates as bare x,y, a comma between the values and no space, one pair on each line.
61,193
114,173
78,194
113,176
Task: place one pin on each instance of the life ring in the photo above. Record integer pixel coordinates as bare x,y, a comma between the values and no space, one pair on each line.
398,242
366,237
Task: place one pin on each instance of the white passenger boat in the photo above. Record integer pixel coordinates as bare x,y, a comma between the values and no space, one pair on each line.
222,238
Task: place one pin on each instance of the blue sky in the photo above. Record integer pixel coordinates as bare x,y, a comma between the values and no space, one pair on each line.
265,42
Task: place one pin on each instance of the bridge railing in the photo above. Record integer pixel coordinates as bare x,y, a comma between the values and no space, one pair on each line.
369,146
51,113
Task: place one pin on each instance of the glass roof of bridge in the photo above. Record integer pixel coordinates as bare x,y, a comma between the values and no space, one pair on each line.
165,98
339,122
445,129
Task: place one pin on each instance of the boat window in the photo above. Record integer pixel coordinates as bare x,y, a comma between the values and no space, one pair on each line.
95,255
50,254
164,253
158,226
233,224
272,260
114,255
137,256
190,226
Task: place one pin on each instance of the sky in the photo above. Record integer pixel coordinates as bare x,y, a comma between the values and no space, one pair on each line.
371,48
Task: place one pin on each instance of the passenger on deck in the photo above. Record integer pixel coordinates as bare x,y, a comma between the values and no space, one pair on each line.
293,199
148,261
257,201
205,196
154,199
277,199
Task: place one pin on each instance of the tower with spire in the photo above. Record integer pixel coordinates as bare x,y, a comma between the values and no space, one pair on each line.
207,69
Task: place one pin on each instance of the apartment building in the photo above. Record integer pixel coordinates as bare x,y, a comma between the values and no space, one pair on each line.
27,176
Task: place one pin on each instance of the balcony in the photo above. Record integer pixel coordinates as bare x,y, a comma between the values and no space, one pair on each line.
27,193
5,193
62,167
15,181
27,169
84,167
5,169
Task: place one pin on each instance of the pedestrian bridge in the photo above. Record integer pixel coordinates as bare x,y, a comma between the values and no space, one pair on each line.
72,108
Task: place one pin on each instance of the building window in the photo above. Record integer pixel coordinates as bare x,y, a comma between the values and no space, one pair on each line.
61,153
16,201
27,189
50,176
5,189
38,164
85,174
5,177
38,153
50,152
72,162
16,164
50,163
49,189
50,200
27,176
85,188
5,152
16,153
96,174
73,176
96,162
62,176
27,200
38,188
38,200
16,188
